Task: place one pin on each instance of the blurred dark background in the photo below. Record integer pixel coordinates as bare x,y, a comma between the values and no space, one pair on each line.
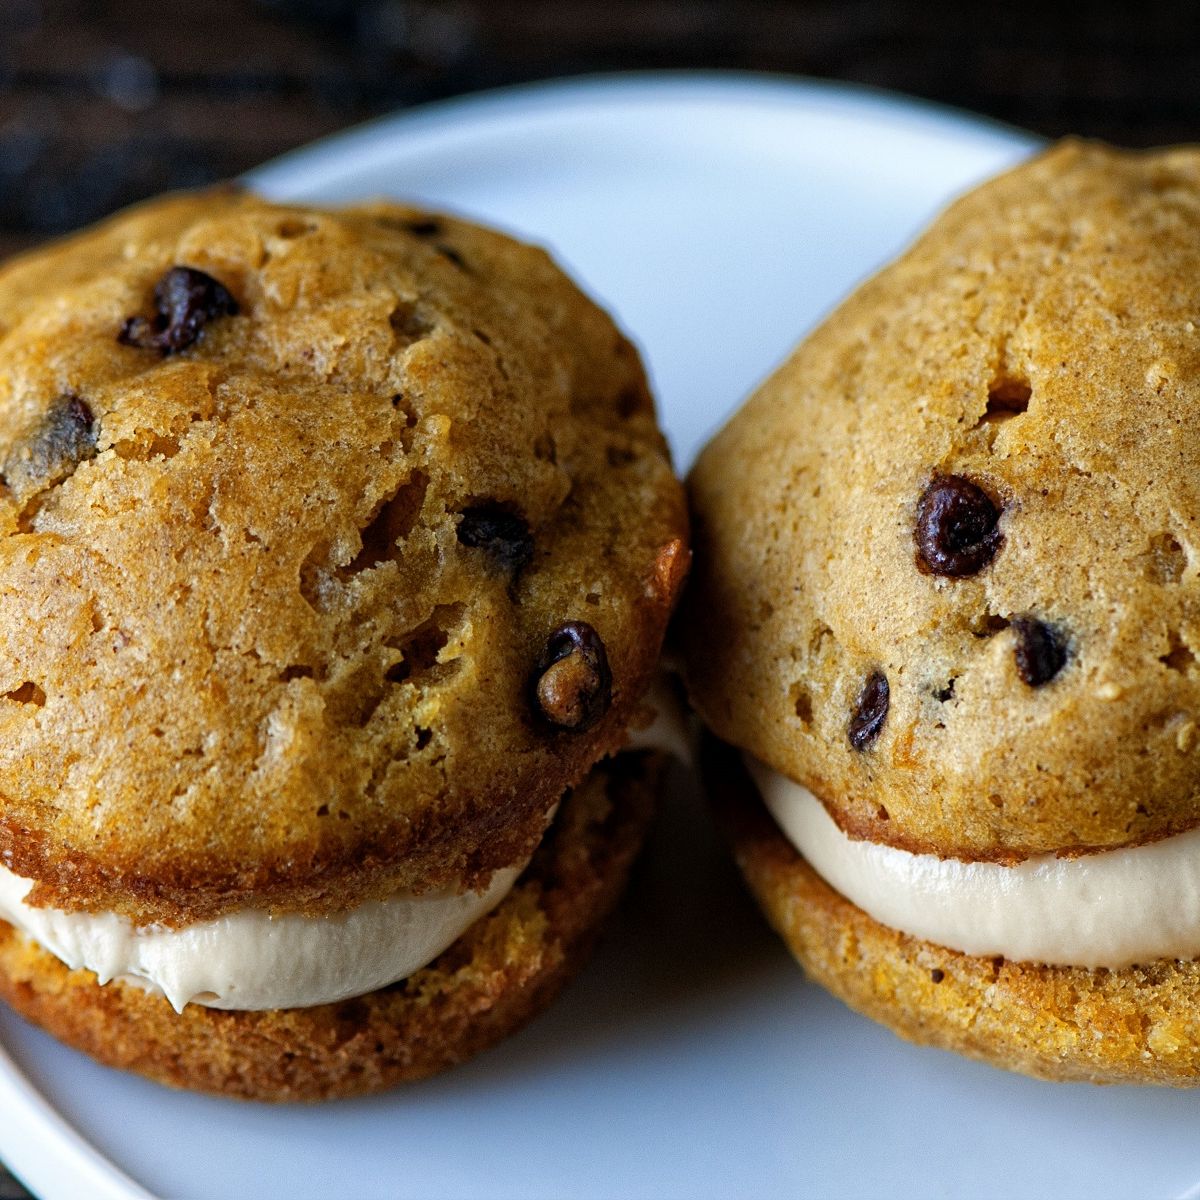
102,103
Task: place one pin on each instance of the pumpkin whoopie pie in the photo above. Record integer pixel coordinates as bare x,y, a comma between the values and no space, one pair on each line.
337,551
946,619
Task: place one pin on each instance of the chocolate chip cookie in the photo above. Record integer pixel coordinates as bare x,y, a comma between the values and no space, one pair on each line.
336,548
947,604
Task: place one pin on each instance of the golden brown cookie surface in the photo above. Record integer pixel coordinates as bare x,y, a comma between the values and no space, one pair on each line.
295,502
503,971
948,557
1136,1025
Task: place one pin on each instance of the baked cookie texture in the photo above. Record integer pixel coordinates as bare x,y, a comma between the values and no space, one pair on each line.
1136,1025
504,970
1022,384
295,502
948,580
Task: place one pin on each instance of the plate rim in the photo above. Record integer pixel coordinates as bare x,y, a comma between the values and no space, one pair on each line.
46,1153
357,146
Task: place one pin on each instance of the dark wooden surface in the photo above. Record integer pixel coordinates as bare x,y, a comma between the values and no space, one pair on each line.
107,101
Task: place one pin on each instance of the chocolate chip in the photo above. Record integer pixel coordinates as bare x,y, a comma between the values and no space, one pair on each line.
572,685
185,300
64,438
956,530
502,535
1040,651
449,252
870,711
424,227
937,975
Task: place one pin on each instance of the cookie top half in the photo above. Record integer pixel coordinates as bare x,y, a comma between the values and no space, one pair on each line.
334,547
948,555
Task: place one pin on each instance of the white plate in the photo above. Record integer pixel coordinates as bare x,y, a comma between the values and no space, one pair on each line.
719,217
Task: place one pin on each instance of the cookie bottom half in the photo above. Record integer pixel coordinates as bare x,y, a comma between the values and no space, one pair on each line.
1140,1024
503,971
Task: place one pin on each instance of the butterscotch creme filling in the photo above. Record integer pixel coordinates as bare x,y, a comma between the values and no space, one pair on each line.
1110,909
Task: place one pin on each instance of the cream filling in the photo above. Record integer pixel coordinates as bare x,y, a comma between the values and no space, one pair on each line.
1109,909
249,959
668,730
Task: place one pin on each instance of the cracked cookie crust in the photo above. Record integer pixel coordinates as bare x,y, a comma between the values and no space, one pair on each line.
294,501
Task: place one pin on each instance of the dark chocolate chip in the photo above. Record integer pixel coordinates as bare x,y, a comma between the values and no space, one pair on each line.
870,711
424,227
572,685
64,438
956,529
502,535
1040,650
937,975
185,300
450,253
